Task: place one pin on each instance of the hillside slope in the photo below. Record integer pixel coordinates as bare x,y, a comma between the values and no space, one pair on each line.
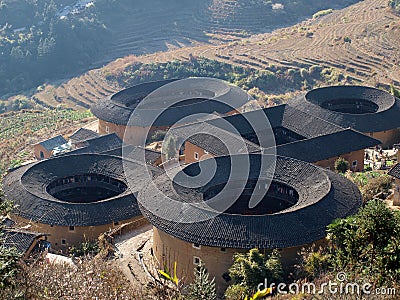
156,25
360,41
20,130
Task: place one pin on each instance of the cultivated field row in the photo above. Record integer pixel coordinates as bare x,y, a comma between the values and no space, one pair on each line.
360,41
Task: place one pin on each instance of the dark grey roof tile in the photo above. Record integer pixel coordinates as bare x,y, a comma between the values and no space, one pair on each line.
323,197
27,185
386,116
83,134
19,239
395,171
54,142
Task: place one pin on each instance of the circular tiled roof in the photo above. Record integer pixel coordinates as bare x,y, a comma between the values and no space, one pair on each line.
322,197
28,186
206,96
372,110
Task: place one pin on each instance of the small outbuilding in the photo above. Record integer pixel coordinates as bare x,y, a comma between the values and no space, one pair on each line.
46,148
24,241
80,136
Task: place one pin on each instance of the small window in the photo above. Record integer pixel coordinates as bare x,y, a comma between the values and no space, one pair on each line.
196,246
107,129
354,163
51,226
223,249
71,228
196,156
41,155
226,277
196,260
63,242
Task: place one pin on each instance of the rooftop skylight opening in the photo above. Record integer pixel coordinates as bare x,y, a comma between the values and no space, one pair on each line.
86,188
278,198
351,106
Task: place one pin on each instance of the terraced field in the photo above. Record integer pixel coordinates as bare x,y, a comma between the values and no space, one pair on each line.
20,130
156,25
360,41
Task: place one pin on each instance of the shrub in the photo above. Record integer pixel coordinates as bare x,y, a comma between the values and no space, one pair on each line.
236,292
315,263
252,268
395,92
346,39
202,288
10,265
157,136
322,13
381,184
91,279
85,249
367,244
341,165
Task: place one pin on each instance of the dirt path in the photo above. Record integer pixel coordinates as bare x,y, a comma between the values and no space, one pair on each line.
128,247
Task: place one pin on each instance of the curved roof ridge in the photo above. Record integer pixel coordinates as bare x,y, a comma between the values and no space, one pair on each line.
35,203
288,228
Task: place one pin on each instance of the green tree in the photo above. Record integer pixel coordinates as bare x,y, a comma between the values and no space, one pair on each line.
85,249
169,147
202,288
9,257
395,92
341,165
252,268
368,243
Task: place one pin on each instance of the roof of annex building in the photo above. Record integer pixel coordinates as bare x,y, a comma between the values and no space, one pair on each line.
395,171
54,142
295,133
